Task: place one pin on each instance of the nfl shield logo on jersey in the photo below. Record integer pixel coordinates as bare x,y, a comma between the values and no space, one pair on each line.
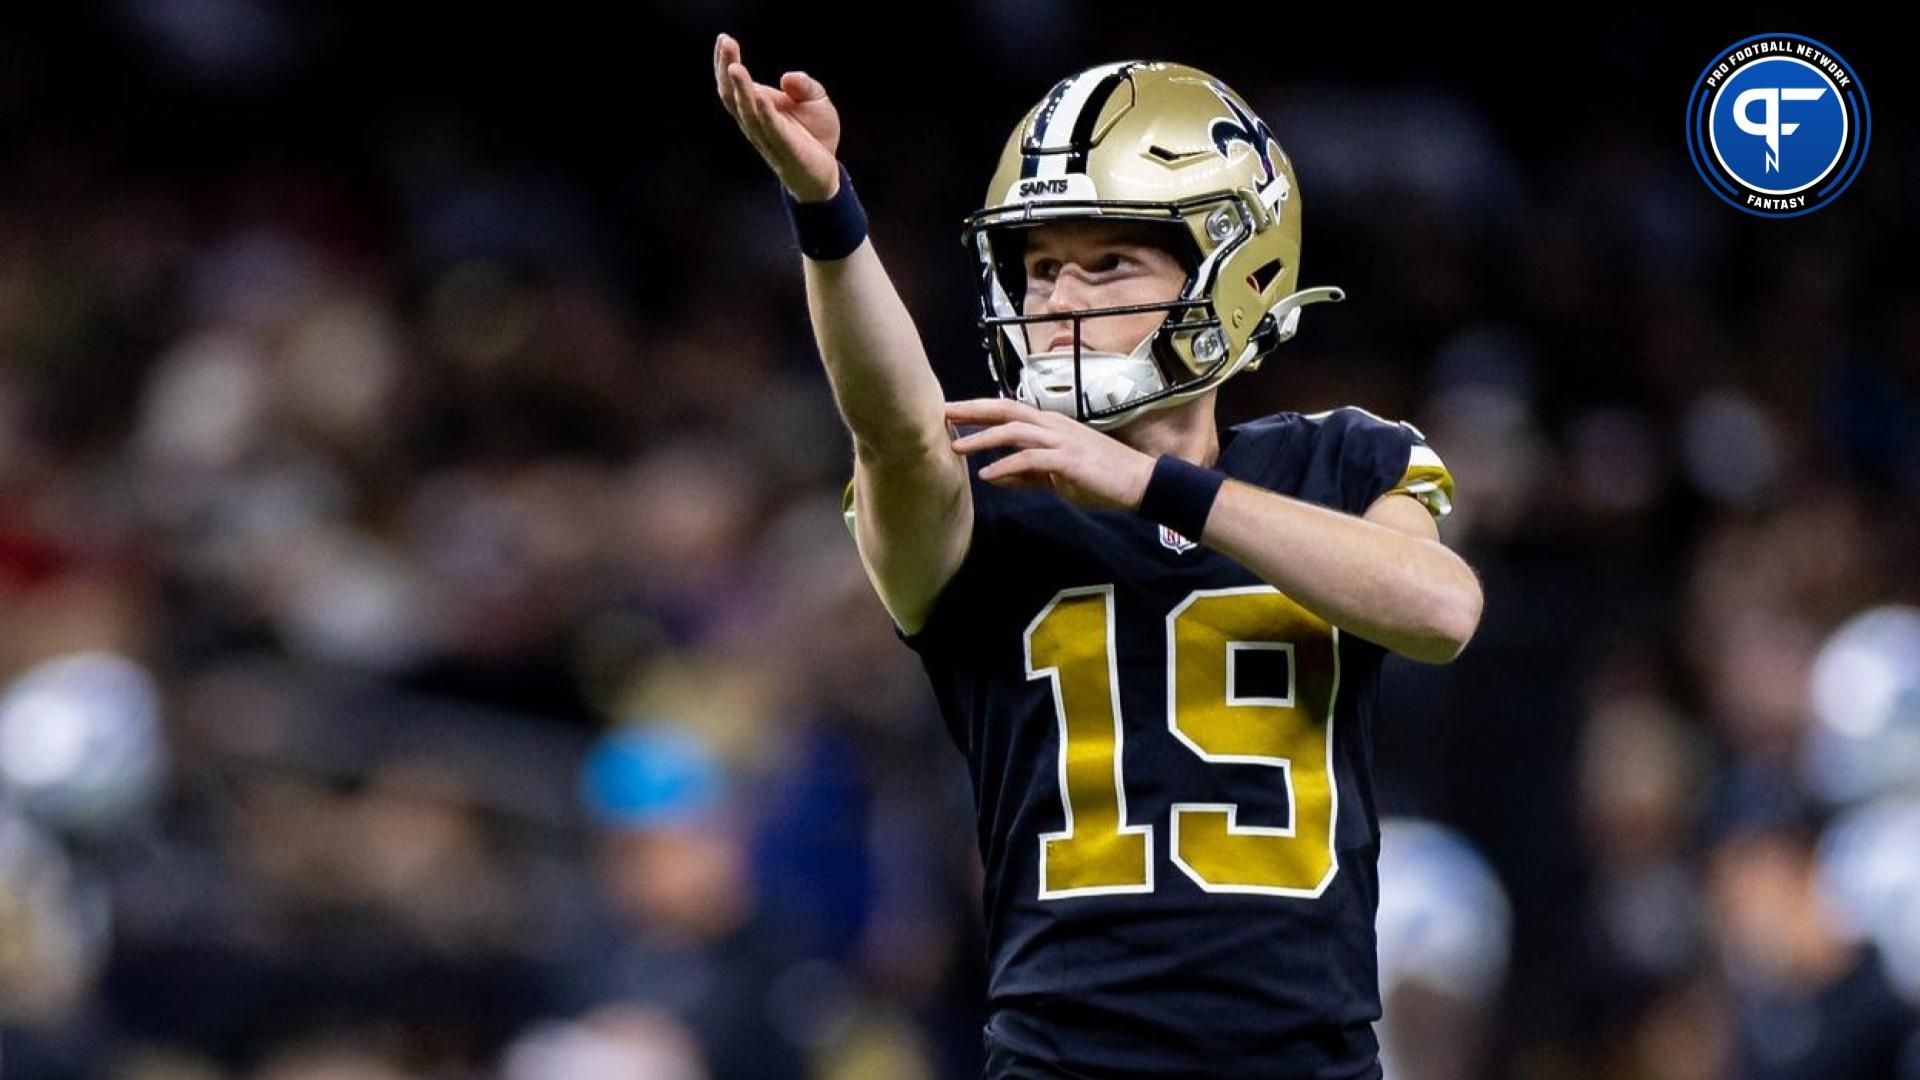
1173,541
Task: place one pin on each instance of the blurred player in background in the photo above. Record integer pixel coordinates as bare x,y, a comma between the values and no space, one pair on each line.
1445,928
1157,643
1812,997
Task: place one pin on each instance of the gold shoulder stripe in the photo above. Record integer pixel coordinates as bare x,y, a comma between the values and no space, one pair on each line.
846,510
1428,480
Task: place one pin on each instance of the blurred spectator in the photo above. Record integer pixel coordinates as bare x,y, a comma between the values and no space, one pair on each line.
1811,1001
679,933
1641,767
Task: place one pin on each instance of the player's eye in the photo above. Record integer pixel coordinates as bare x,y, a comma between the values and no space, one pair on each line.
1045,269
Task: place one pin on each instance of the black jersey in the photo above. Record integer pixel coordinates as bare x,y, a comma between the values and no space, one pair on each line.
1171,766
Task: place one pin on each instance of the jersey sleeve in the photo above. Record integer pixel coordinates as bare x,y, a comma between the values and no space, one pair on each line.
1385,457
954,610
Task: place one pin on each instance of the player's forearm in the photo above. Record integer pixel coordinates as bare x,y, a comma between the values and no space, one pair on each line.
884,387
914,518
1411,595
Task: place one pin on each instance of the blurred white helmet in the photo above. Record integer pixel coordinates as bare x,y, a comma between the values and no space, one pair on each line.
80,741
618,1043
1865,739
1869,864
1444,918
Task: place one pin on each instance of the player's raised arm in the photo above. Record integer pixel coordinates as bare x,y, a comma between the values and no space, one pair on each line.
913,505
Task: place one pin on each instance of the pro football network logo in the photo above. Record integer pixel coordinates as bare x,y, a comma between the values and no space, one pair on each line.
1777,125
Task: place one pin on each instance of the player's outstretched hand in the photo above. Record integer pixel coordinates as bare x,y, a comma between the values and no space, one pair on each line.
1088,467
794,126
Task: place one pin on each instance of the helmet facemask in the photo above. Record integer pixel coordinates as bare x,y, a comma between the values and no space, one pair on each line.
1100,388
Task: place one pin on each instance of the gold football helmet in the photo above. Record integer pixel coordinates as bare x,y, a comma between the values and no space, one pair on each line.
1153,142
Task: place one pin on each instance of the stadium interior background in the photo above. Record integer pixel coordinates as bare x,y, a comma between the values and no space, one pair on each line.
431,647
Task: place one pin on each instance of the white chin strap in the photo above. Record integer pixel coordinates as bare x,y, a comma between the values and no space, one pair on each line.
1107,379
1110,380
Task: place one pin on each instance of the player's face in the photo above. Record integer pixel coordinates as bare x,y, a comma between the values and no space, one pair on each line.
1077,265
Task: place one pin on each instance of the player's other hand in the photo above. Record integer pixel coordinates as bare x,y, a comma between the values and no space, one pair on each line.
794,126
1088,467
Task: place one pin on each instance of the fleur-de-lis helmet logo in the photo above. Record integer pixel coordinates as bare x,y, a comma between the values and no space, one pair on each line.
1242,127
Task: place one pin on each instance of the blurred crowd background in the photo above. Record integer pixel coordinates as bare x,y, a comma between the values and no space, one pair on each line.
430,646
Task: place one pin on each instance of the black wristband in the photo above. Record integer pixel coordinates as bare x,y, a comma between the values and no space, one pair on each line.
828,230
1180,495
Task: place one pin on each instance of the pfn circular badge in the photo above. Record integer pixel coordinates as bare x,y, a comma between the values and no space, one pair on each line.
1777,125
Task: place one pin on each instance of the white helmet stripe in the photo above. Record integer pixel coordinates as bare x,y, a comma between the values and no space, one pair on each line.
1055,126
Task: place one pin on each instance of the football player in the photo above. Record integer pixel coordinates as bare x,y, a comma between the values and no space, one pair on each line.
1156,643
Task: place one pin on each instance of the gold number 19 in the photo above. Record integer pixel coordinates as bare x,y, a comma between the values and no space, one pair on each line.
1071,644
